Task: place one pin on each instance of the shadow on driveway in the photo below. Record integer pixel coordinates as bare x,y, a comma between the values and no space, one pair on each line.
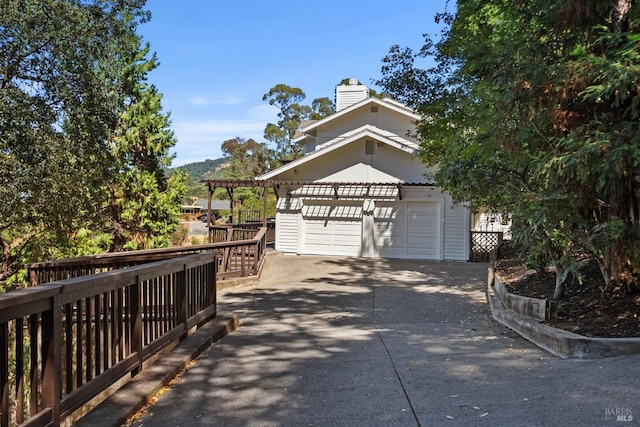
359,342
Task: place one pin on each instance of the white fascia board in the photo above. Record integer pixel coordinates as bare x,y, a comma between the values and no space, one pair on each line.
344,139
300,138
386,102
377,133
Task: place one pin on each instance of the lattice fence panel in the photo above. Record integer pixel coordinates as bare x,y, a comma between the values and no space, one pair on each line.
482,243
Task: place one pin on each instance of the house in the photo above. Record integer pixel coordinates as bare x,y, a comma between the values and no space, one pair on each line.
492,222
216,205
190,212
360,190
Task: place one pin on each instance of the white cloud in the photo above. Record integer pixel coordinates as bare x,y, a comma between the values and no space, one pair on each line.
265,112
203,100
201,139
198,100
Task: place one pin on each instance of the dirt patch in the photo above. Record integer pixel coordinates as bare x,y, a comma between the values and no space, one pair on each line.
585,309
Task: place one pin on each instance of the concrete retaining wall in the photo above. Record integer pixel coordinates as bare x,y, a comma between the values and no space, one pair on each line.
559,342
535,308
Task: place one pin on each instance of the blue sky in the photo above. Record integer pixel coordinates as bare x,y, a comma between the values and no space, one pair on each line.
217,58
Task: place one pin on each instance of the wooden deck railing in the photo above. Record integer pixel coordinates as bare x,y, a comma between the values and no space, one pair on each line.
238,258
65,342
225,233
88,322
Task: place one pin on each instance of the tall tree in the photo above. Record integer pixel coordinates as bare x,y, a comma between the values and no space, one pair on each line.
291,114
144,205
83,141
248,158
57,106
321,108
532,107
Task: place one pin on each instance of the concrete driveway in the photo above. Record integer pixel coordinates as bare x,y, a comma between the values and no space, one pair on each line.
197,228
357,342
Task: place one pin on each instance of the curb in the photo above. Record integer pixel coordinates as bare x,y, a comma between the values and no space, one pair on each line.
130,398
561,343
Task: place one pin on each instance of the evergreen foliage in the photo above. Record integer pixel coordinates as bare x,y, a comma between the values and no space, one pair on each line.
291,114
83,142
532,108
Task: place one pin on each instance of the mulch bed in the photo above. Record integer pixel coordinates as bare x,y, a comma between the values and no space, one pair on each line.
585,308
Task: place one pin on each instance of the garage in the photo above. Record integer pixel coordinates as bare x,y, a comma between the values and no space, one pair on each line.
332,228
400,229
408,230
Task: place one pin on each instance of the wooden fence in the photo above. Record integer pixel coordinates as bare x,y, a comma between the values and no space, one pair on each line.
240,257
65,342
92,321
227,233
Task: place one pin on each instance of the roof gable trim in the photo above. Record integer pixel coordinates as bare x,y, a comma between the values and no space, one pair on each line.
345,139
386,102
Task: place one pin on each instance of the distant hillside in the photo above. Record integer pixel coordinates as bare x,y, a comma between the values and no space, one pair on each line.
209,169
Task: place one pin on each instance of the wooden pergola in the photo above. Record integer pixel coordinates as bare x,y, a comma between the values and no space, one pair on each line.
230,185
355,189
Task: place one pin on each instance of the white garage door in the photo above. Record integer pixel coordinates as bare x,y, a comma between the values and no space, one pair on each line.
407,229
332,228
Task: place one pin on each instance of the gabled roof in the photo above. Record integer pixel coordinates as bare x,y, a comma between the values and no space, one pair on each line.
367,130
215,204
385,102
302,125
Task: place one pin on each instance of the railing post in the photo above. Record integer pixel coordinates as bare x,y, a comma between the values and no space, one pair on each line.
33,277
4,375
181,298
51,369
243,260
256,257
213,274
136,327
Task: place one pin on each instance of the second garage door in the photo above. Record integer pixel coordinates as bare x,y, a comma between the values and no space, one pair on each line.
407,230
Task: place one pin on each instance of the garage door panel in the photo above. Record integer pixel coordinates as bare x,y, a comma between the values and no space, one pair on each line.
348,228
332,228
421,253
396,253
421,240
407,229
420,230
394,241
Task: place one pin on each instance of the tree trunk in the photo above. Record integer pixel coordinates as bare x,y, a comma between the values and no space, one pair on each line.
5,268
116,228
561,278
621,11
604,272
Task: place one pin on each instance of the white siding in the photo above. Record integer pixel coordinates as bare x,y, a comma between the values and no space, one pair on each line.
287,232
456,232
386,119
287,224
347,95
